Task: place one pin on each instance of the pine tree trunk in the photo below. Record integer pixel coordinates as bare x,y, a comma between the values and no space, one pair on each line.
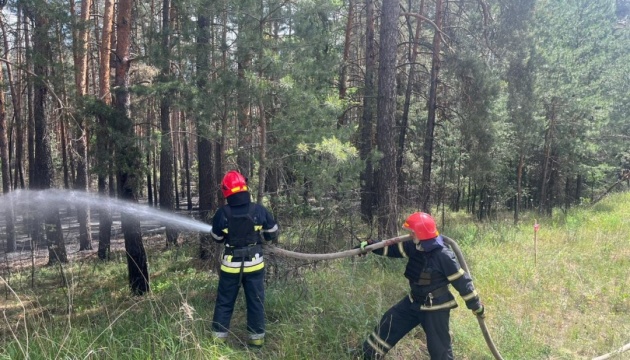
154,166
404,121
272,179
5,170
387,190
343,73
366,131
64,150
578,189
18,177
43,169
127,178
262,123
546,164
519,188
149,135
166,149
222,126
30,123
102,135
204,144
176,157
427,150
81,183
244,59
186,152
33,220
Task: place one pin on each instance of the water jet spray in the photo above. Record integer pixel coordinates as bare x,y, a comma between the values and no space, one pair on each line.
25,200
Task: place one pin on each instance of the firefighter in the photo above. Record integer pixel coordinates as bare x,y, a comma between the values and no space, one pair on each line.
431,267
239,226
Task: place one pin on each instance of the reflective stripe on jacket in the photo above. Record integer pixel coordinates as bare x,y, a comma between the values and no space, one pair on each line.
432,265
233,266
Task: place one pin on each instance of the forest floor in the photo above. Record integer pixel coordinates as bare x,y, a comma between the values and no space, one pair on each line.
24,257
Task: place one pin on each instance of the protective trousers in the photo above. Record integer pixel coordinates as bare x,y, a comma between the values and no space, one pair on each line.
253,286
401,319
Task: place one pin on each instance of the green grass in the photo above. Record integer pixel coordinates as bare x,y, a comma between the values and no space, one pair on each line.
566,298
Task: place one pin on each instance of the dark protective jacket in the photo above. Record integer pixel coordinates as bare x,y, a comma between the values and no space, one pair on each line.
242,226
431,267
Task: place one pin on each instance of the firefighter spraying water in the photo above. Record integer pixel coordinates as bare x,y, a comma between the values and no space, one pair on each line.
241,226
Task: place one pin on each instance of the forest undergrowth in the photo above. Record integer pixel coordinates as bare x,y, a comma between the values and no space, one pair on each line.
564,294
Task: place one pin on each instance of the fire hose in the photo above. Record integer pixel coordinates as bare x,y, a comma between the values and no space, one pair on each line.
342,254
482,323
460,258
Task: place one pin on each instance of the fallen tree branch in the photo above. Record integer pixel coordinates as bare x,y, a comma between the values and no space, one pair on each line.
625,177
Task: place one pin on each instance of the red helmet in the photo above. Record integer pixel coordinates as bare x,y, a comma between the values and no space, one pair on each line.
422,225
233,182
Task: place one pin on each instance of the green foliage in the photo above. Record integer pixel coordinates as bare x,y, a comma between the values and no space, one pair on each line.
337,169
575,51
504,72
478,89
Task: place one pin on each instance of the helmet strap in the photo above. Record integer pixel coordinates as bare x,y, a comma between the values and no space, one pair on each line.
415,238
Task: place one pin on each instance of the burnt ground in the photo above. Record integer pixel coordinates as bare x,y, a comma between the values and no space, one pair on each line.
23,257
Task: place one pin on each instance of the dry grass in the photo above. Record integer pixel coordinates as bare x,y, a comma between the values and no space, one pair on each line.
570,301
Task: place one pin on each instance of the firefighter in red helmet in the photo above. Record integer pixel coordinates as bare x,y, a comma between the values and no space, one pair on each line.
431,267
241,226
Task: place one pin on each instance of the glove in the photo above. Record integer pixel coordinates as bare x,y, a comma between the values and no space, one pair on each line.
481,311
362,246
